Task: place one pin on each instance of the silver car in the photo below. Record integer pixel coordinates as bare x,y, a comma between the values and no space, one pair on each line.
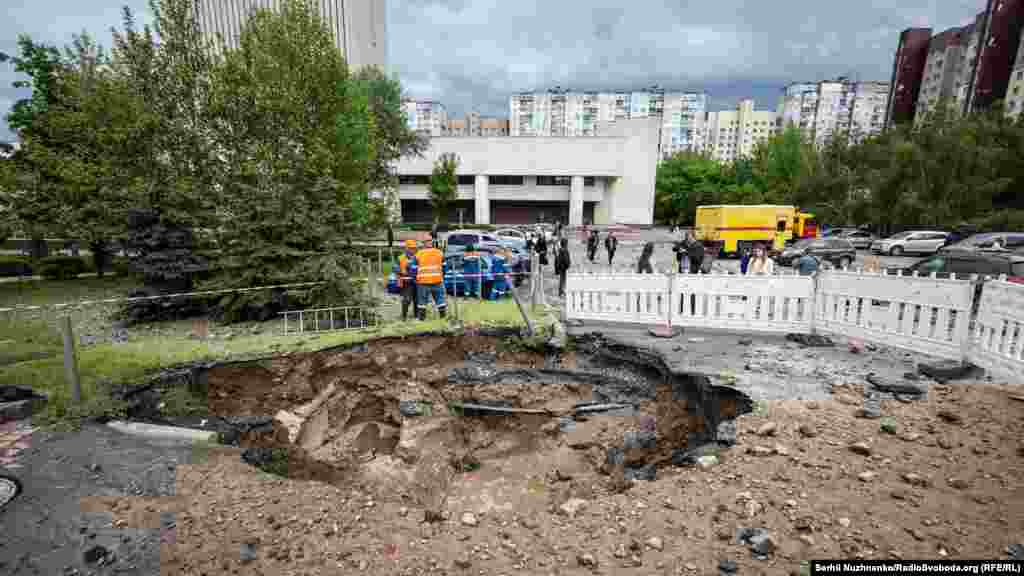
916,242
861,239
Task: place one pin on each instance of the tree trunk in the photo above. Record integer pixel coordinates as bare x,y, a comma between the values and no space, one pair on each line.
38,248
100,257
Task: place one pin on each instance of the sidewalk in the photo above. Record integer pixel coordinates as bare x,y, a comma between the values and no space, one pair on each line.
45,530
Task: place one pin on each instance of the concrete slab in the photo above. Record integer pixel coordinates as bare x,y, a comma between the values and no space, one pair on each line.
157,432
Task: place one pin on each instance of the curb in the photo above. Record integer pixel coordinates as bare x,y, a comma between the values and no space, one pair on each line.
157,432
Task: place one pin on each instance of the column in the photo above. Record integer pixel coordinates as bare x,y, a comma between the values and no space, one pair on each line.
576,201
481,204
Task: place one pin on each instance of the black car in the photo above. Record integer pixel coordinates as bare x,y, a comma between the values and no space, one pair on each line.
962,264
1012,241
836,251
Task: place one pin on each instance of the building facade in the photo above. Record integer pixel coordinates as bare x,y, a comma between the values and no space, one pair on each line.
522,180
560,113
841,106
359,27
425,116
972,66
907,71
1015,90
736,133
476,125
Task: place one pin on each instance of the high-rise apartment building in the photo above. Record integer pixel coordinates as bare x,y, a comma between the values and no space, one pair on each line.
570,114
823,109
1015,90
972,66
358,26
733,134
476,125
426,116
911,55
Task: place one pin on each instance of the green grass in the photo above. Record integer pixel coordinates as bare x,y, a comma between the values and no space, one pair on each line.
131,361
50,292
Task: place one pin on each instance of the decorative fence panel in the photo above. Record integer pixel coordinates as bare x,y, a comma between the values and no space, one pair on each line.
775,304
630,298
998,342
919,313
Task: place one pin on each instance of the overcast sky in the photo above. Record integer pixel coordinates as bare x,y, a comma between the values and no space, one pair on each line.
472,54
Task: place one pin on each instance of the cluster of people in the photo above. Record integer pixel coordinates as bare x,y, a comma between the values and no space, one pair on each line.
611,244
421,273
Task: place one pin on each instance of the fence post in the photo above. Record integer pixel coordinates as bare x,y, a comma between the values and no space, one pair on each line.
70,359
534,272
813,303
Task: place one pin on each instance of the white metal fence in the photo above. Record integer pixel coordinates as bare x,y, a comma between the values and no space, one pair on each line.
998,342
923,314
919,313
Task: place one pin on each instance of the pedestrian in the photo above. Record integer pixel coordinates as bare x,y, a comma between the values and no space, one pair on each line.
592,244
807,264
646,263
679,247
611,244
529,242
429,265
744,258
760,263
542,249
471,271
695,253
562,264
391,239
406,282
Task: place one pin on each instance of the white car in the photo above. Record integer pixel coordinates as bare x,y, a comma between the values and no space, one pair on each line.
918,242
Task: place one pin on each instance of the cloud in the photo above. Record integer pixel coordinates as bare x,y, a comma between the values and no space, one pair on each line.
472,55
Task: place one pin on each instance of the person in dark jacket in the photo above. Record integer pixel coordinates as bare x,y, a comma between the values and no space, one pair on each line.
611,244
542,249
562,264
644,265
744,259
592,243
695,251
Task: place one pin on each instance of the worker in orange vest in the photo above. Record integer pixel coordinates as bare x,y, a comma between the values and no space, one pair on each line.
429,265
406,281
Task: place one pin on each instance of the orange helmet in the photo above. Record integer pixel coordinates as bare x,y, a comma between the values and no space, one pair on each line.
411,244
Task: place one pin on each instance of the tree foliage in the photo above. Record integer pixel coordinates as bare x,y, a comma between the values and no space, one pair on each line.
240,167
444,185
942,171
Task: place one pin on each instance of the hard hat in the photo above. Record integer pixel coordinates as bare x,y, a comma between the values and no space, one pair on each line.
410,244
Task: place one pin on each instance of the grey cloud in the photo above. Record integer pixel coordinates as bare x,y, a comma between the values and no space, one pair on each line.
473,54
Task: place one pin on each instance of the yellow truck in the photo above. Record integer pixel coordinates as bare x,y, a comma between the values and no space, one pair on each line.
728,228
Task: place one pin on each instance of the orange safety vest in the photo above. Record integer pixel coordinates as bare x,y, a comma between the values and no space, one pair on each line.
403,270
429,262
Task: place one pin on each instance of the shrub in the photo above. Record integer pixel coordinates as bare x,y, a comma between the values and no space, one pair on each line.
1001,221
62,267
15,266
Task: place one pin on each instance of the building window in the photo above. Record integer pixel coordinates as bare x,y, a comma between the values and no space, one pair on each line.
413,180
466,180
553,180
588,180
506,180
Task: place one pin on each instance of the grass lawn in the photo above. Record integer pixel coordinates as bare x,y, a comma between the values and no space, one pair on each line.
131,361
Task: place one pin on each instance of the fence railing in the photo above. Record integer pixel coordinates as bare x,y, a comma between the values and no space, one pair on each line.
924,314
998,337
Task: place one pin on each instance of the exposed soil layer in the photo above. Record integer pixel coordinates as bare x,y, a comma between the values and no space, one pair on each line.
947,483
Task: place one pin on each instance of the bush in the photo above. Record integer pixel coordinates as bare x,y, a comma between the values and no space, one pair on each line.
62,267
1001,221
15,266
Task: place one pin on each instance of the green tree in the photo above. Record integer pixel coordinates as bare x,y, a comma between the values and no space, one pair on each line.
778,165
685,181
444,185
299,149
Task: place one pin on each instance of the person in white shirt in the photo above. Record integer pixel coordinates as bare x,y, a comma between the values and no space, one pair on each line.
760,263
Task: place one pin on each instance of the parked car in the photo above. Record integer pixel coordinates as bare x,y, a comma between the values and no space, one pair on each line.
917,242
861,239
1012,241
836,251
838,231
475,237
511,234
964,263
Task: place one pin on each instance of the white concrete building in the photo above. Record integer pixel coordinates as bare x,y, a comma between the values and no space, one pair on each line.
521,180
562,113
823,109
732,134
425,116
1015,89
359,27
